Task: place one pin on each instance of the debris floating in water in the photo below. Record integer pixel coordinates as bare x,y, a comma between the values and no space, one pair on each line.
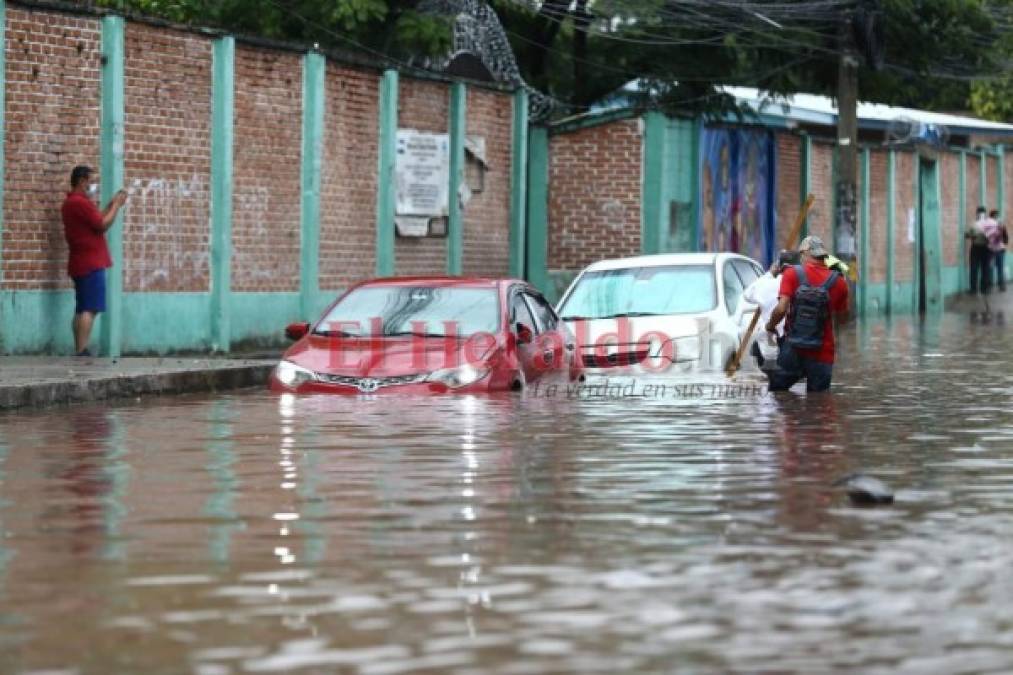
865,490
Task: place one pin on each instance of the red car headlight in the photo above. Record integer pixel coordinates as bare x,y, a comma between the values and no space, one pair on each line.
291,375
458,377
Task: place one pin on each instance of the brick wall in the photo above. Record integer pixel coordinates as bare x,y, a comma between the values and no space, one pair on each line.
52,123
348,184
168,160
788,184
821,216
594,194
267,161
422,106
487,215
878,175
905,186
949,198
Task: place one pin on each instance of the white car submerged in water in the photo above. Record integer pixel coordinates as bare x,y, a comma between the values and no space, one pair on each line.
659,312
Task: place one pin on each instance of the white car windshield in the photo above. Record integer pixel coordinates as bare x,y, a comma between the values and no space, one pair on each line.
414,310
642,291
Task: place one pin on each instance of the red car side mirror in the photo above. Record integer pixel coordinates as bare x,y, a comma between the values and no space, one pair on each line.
524,335
295,331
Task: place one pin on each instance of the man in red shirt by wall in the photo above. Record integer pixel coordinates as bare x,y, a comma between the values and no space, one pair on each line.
84,228
816,365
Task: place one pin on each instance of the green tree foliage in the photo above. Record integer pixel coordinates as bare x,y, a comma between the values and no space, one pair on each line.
390,28
923,53
993,99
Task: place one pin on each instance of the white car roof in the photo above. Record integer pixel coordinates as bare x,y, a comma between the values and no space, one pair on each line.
662,259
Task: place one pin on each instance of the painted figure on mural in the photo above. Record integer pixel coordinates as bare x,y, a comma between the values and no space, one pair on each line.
751,235
723,215
735,191
707,208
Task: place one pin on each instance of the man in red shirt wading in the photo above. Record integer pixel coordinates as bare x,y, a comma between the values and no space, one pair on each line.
84,227
815,363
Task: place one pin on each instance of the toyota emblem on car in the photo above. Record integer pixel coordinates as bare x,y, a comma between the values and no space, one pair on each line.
368,385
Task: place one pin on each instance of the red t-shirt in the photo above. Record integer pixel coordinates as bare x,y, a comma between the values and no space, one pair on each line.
82,228
817,274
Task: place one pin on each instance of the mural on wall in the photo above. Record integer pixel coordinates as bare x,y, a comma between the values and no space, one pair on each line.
737,192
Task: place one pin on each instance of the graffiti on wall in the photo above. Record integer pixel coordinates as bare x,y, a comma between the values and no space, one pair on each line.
737,192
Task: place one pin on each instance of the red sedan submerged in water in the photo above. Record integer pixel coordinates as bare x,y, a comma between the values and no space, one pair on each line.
429,335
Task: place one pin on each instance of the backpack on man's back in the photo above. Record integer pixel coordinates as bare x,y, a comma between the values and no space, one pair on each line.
810,309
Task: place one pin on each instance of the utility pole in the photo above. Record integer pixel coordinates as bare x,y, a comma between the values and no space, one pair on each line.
845,220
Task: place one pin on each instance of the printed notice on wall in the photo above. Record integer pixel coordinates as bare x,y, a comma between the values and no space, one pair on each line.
422,168
911,225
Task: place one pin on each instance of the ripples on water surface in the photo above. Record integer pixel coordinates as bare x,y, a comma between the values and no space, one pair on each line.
252,533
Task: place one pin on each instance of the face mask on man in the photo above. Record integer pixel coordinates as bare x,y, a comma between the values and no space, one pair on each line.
93,189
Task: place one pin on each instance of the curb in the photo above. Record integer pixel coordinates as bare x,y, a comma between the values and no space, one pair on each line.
130,386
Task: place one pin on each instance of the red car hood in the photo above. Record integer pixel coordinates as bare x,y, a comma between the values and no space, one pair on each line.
386,357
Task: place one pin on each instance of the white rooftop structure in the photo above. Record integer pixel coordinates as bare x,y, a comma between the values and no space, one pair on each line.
814,109
798,109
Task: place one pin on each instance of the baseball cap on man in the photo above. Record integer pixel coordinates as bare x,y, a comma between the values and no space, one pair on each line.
786,257
814,247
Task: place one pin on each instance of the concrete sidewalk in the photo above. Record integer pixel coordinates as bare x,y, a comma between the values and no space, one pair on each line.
27,381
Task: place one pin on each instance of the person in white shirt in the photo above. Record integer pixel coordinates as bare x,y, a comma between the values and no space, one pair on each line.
764,294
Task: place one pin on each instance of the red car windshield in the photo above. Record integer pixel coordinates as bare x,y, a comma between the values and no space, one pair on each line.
413,310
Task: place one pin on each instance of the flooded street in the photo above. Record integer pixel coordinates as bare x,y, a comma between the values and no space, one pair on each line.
526,534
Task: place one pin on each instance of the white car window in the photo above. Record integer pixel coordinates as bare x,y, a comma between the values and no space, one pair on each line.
733,287
655,290
747,271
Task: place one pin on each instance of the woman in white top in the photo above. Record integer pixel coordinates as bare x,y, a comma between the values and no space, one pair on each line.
764,294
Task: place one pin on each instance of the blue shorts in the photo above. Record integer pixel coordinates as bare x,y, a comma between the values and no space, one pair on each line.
90,291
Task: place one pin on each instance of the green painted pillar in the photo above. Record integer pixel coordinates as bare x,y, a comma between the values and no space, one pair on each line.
1000,183
1000,199
891,226
457,129
983,178
519,184
652,195
313,90
695,181
863,261
805,173
111,175
538,209
835,154
916,258
961,223
222,120
385,184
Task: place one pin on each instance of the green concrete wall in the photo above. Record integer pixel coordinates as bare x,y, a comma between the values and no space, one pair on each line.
679,198
155,323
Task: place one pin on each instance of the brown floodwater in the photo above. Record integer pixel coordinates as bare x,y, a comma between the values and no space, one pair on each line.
695,530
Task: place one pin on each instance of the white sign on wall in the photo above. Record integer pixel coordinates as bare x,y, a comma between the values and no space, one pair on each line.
422,170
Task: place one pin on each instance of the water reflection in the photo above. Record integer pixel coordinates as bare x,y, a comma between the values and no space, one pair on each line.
220,505
524,533
5,552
